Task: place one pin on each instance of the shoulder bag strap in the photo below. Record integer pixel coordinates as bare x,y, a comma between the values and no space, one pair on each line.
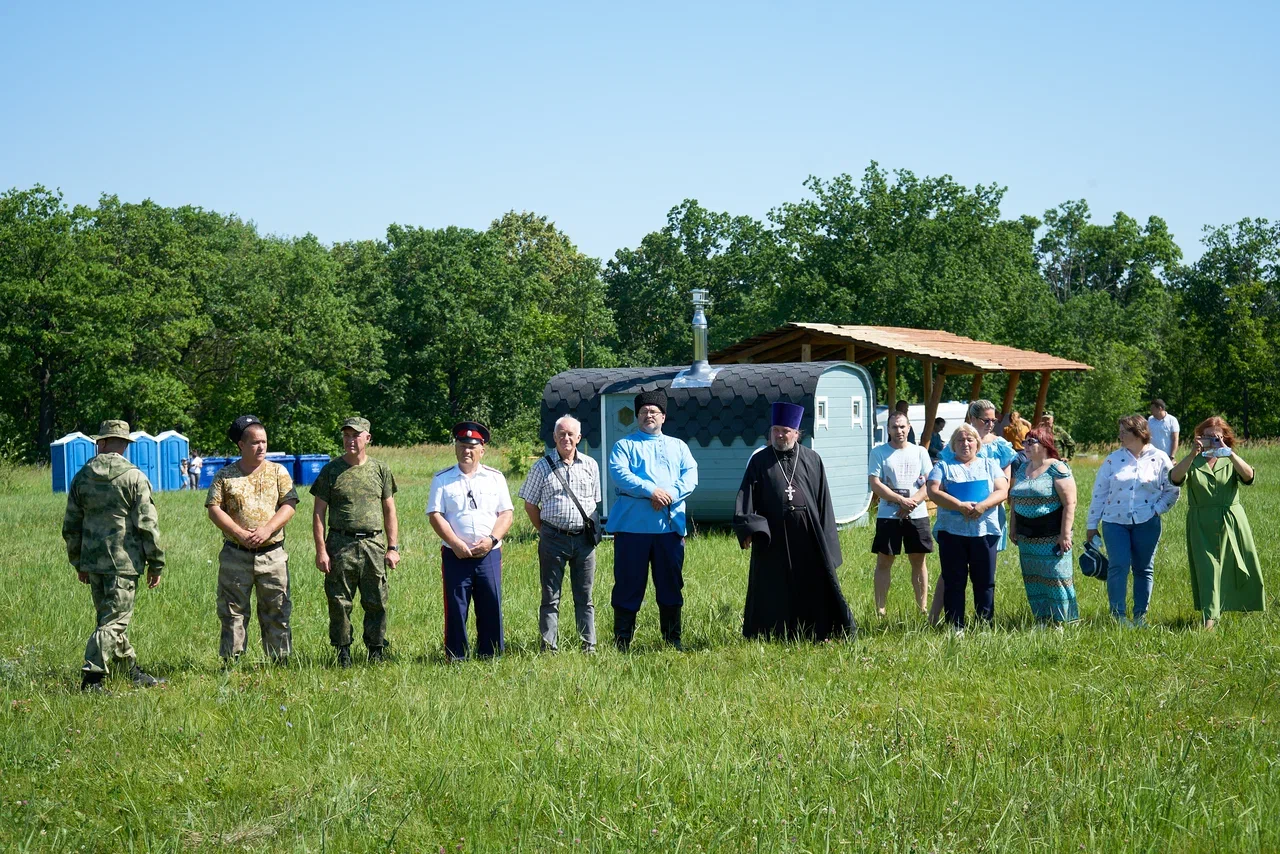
585,519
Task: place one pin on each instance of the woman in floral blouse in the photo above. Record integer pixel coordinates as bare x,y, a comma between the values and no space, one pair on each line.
1131,493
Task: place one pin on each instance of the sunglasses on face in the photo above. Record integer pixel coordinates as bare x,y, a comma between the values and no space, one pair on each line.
1030,441
988,421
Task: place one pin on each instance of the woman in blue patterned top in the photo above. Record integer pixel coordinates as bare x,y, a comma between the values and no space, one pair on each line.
982,418
1044,506
968,493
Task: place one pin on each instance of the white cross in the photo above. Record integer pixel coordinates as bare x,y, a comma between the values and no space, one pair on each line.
790,491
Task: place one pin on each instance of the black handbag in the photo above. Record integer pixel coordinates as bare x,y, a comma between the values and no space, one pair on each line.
590,524
1093,562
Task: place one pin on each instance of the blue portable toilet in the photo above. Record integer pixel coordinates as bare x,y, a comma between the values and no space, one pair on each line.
724,413
210,470
144,452
308,468
67,456
174,448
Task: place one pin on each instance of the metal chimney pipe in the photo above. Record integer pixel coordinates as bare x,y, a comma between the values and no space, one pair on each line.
700,301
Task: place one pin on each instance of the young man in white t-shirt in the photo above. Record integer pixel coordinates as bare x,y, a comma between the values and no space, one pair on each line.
897,474
1164,428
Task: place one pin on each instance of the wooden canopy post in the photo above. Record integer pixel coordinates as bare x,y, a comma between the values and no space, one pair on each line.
1042,395
806,352
927,369
1009,391
891,381
931,407
975,390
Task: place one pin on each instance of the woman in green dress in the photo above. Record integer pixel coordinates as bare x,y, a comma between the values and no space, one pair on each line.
1226,574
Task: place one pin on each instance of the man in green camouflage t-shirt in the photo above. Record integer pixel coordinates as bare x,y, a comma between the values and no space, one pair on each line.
357,494
112,535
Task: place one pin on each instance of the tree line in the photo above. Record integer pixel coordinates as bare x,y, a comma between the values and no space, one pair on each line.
185,318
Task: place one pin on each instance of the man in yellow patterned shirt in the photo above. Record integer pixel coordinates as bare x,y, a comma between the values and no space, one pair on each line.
250,501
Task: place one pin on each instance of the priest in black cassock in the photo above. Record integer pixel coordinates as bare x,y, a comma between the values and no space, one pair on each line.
784,516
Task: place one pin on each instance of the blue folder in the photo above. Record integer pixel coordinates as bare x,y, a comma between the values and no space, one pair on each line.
969,490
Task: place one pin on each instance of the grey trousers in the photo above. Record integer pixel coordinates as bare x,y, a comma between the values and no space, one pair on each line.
554,551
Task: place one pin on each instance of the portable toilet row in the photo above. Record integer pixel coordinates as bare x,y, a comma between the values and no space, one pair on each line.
304,468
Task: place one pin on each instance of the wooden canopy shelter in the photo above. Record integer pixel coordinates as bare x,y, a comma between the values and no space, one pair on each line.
941,354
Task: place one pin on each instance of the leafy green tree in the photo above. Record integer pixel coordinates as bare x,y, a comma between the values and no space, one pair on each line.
736,258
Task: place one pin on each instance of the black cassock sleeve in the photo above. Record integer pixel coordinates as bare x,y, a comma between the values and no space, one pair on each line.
746,521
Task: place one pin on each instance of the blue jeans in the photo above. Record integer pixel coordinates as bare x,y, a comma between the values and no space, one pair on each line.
1131,547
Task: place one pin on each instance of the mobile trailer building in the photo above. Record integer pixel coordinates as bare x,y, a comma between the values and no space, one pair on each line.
724,414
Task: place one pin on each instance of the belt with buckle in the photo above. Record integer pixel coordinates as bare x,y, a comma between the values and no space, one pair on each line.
358,535
577,533
262,550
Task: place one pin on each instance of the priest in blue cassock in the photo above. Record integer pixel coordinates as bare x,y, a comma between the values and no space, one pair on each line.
784,516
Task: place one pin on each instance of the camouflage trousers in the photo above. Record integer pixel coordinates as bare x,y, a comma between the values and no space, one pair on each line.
356,566
113,601
241,574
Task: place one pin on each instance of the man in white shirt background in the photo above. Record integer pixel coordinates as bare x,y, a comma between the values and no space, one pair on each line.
1164,428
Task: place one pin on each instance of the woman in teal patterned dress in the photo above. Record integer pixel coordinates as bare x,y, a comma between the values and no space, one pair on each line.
1044,507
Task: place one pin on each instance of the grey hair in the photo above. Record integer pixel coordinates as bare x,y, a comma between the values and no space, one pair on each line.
569,419
977,407
964,429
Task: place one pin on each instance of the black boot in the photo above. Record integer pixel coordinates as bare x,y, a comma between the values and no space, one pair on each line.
376,655
624,628
669,619
92,681
143,679
344,656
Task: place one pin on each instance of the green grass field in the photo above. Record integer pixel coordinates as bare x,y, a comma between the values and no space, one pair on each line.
905,740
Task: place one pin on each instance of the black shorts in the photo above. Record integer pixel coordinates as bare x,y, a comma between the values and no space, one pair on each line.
893,536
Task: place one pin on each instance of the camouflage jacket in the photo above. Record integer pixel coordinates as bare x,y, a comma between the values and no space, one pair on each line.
111,526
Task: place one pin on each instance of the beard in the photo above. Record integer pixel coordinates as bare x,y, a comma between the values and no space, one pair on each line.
781,444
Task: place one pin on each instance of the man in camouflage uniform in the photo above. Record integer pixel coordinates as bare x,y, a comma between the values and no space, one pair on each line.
112,534
251,500
357,494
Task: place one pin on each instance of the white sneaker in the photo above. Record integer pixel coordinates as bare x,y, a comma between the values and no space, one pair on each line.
958,634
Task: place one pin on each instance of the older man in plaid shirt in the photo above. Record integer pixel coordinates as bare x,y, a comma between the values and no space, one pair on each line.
563,533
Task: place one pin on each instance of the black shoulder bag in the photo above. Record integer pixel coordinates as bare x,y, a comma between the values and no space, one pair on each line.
590,525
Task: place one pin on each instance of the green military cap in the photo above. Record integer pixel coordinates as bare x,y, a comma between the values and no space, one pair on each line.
114,430
355,422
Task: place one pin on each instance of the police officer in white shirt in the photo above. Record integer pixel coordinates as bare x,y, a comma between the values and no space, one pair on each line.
470,508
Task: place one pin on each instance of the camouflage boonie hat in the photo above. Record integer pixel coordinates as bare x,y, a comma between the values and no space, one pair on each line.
357,423
114,430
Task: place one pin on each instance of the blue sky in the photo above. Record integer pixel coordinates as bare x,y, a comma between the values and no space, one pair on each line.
338,119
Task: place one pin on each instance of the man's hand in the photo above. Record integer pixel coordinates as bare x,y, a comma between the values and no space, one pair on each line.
322,561
461,550
83,576
152,581
746,544
481,547
256,538
660,498
392,558
907,503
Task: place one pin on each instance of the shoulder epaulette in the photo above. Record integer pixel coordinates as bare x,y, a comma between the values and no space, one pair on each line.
490,468
443,470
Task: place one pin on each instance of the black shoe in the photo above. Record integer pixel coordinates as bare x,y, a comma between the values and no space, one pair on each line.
143,679
669,620
344,656
377,655
624,628
92,682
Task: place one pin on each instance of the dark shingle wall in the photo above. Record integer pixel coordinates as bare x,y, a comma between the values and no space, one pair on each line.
737,405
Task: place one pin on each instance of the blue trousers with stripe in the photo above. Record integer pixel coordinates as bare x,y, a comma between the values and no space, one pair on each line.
467,580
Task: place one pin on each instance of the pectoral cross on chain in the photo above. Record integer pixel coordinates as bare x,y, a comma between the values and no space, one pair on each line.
791,492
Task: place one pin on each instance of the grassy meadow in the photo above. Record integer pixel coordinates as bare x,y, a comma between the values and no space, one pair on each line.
904,740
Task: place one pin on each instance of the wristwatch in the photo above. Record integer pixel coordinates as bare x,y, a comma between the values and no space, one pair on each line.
495,540
393,548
